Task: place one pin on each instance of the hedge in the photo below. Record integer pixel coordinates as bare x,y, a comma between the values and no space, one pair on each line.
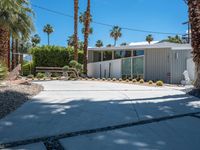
53,56
50,56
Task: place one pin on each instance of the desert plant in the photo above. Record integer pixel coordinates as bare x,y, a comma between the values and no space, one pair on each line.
127,80
141,81
65,68
30,76
73,63
109,79
93,78
134,80
150,82
40,75
120,79
114,79
103,79
159,83
3,71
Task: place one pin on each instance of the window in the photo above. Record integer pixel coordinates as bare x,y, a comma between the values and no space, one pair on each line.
107,55
97,56
138,52
122,54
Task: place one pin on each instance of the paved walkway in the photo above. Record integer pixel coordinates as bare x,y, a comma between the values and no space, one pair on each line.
80,115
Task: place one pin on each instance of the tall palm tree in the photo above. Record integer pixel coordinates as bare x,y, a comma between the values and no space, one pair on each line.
149,38
76,30
99,43
35,40
194,15
116,33
48,29
86,36
15,20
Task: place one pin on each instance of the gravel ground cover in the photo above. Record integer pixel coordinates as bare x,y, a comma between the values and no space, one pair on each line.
14,95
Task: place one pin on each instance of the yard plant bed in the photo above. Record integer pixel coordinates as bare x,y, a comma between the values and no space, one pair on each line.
14,95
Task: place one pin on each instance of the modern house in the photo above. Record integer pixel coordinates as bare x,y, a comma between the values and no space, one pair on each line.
160,61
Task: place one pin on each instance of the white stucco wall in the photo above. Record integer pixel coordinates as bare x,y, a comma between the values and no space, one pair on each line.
115,70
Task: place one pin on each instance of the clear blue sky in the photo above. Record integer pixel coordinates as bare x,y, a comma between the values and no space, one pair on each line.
153,15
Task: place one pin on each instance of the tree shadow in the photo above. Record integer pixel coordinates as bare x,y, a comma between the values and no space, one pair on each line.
40,118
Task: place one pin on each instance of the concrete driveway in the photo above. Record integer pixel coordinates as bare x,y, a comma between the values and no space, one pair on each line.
80,115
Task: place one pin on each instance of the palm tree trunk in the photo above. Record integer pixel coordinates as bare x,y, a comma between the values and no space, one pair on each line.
48,39
5,46
86,35
115,42
76,30
194,15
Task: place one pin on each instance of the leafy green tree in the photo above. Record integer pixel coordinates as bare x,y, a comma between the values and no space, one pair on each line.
99,43
116,33
48,29
35,40
149,38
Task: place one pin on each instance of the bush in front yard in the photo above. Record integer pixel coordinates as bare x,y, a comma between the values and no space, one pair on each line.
159,83
141,81
150,82
3,71
50,56
40,75
134,80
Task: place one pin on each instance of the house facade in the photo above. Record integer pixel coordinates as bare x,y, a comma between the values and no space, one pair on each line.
161,61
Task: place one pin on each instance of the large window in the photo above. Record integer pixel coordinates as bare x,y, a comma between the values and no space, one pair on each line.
138,52
97,56
107,55
122,54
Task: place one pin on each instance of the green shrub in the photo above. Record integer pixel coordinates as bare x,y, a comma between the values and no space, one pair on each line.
159,83
40,75
141,81
109,79
103,79
27,69
55,74
93,78
150,82
73,64
120,79
50,56
65,68
3,71
134,80
30,76
114,79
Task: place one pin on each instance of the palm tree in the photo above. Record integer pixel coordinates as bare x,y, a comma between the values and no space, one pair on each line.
116,33
99,43
82,19
48,29
194,15
15,20
175,39
149,38
35,40
86,36
76,30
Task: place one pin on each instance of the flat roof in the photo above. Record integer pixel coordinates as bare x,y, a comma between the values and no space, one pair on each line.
172,46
